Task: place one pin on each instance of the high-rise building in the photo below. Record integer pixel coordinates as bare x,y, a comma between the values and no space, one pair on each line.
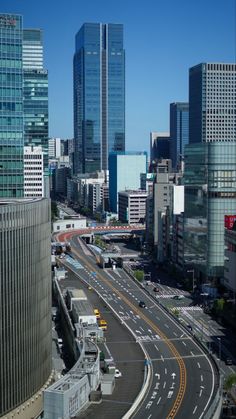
210,194
99,95
11,107
33,172
35,96
212,105
210,166
124,173
179,131
25,305
159,147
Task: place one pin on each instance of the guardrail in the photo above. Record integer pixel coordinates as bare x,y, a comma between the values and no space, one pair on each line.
214,410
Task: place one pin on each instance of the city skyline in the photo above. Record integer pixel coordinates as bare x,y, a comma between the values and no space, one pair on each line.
171,37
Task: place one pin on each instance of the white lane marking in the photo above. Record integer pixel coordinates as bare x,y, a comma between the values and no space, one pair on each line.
195,408
142,328
164,385
201,377
157,386
156,347
162,358
149,416
134,321
175,333
159,400
149,405
184,343
157,375
158,318
165,371
138,331
149,330
173,375
121,312
154,394
198,364
191,352
200,393
166,325
172,386
169,394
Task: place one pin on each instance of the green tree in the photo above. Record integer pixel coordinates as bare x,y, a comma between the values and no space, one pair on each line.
139,275
219,306
230,381
54,211
175,312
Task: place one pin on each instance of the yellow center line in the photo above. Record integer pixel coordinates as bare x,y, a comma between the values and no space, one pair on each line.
174,351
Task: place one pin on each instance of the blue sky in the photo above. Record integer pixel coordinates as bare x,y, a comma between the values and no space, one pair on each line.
162,39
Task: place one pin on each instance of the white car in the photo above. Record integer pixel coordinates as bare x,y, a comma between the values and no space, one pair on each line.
117,373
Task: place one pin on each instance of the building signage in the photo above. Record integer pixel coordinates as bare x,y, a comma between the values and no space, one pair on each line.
229,221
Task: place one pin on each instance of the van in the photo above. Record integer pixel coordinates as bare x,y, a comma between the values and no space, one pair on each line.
102,324
97,313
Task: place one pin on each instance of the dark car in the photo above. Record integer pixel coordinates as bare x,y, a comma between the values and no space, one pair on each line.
189,327
142,304
156,289
229,361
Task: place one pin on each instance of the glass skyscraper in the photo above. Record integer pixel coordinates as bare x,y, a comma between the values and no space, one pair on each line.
99,95
35,96
210,166
11,106
179,131
210,194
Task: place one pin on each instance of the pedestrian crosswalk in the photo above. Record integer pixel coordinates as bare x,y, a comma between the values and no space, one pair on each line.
74,263
188,308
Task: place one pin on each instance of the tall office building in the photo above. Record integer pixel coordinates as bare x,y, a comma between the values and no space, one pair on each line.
159,147
212,104
210,166
35,96
11,107
179,131
125,169
25,305
99,95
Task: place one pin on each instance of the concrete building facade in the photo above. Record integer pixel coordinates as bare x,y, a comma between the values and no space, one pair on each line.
132,206
124,174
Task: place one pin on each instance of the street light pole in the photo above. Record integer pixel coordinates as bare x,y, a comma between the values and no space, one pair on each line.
219,339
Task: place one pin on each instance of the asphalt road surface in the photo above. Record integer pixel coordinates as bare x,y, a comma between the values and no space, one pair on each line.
183,381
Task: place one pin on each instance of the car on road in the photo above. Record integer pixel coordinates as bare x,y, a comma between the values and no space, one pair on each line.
142,304
117,373
228,361
156,289
178,297
189,327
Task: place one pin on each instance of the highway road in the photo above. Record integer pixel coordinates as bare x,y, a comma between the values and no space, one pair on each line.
183,381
